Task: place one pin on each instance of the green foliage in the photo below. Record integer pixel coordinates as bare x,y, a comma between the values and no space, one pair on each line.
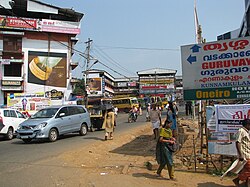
79,88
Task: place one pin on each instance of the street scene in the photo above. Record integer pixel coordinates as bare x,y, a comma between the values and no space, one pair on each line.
90,161
112,93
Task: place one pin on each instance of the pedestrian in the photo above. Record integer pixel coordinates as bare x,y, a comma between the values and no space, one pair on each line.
175,108
140,109
115,110
171,116
109,123
164,155
147,112
243,150
155,117
133,111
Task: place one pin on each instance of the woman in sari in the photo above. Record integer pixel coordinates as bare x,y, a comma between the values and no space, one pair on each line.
163,155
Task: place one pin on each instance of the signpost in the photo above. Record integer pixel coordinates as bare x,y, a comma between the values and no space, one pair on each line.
216,70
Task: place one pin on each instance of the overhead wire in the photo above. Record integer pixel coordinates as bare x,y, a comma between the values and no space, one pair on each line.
138,48
111,60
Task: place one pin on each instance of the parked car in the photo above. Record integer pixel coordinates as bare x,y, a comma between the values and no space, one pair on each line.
51,122
9,121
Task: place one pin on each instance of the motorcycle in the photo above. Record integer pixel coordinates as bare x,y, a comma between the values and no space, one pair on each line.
132,117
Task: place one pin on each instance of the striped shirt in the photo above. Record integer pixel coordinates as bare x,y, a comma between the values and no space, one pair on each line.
243,137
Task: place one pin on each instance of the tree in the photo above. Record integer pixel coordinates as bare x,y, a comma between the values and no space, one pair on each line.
80,88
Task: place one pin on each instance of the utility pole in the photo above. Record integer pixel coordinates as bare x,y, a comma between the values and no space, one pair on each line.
87,69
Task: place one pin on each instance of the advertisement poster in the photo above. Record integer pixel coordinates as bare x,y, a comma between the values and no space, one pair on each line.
47,68
230,117
27,102
95,86
221,143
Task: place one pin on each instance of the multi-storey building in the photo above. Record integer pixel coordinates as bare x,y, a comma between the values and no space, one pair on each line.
126,87
36,48
157,82
100,84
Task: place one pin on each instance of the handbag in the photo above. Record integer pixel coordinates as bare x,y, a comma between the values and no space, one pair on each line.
173,147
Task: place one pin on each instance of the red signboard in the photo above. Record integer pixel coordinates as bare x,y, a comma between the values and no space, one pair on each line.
17,23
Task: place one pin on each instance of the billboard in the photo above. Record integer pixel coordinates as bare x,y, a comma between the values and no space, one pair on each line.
47,68
27,102
216,70
95,86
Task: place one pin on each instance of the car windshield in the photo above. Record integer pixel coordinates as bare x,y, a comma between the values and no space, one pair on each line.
45,113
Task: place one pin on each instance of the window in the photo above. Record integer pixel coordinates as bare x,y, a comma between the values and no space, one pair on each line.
63,110
20,115
13,70
72,110
13,114
6,113
12,44
81,110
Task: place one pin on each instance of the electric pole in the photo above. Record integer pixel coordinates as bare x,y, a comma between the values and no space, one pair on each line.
87,69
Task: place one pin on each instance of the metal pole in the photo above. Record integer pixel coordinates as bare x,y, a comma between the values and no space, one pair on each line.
87,69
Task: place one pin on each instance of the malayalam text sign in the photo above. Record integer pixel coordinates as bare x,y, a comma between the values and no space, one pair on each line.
230,117
216,70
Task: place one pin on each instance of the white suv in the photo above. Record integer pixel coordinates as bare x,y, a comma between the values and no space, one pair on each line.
9,121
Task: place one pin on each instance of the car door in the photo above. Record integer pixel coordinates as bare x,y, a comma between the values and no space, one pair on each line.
7,120
61,120
19,119
75,119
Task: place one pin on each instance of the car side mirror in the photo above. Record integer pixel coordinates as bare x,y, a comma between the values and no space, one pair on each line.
62,114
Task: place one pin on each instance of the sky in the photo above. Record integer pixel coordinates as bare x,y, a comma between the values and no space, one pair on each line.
135,35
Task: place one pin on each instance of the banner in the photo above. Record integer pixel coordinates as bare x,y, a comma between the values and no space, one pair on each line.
221,143
230,117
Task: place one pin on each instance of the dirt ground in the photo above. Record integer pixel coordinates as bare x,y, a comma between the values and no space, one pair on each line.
124,161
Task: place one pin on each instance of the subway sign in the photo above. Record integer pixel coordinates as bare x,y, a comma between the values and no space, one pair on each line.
216,70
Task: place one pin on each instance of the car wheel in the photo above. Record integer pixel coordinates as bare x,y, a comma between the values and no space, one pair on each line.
83,130
9,134
27,140
53,135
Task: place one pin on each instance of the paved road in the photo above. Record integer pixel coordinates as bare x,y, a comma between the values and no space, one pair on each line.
15,155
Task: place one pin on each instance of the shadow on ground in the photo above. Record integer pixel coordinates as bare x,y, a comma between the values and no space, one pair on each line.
141,146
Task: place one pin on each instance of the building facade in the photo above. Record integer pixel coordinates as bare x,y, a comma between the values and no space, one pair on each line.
36,48
157,82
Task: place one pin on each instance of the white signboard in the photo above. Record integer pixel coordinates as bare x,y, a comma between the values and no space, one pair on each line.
230,117
216,70
58,26
221,143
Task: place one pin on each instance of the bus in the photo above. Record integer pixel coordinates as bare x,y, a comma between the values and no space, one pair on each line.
125,103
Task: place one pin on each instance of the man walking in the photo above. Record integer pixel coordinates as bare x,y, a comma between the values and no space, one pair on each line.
243,150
